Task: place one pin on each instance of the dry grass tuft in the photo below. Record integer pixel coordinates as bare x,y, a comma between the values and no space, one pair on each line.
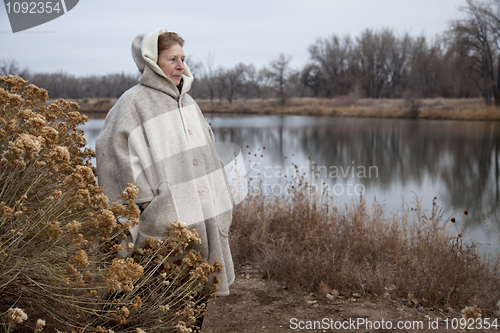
305,241
59,235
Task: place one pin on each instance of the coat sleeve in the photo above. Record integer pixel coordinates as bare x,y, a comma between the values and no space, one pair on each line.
122,154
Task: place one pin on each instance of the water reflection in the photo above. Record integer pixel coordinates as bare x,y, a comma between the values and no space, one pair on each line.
455,161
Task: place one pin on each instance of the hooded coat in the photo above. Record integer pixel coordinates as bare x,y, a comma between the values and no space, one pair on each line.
156,138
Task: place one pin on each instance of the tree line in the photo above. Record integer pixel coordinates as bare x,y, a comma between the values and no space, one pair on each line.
460,63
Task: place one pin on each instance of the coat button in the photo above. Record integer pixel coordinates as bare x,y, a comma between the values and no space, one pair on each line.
190,132
195,161
200,192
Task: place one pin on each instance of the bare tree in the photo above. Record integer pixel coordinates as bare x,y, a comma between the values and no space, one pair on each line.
331,55
220,86
313,77
279,72
400,49
209,77
475,38
266,82
196,68
233,80
295,88
373,53
426,66
252,82
10,67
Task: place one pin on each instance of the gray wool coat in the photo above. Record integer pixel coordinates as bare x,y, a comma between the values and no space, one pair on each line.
156,138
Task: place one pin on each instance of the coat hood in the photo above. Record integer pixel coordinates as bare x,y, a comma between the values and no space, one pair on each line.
145,54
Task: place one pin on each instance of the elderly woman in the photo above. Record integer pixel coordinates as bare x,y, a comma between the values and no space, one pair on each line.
156,138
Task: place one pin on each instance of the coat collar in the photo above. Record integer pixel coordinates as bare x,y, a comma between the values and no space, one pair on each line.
162,83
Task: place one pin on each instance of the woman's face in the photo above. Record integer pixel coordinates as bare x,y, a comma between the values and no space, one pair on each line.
171,62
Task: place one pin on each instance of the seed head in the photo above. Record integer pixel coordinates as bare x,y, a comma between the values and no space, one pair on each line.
124,311
137,303
470,312
81,259
16,315
39,325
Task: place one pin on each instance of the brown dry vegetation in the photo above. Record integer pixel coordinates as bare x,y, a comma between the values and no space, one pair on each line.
306,242
59,235
345,106
93,107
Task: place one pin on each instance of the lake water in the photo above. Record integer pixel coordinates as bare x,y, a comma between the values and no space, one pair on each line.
386,159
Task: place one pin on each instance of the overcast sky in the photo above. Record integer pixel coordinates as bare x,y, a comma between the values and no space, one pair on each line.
95,37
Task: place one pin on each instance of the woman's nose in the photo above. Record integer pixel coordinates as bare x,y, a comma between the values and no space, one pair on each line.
180,65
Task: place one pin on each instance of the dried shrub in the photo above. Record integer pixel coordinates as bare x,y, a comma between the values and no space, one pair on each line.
305,240
59,235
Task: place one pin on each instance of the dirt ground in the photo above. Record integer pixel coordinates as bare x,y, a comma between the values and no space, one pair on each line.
260,305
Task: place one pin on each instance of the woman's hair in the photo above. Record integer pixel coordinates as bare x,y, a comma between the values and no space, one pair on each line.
166,40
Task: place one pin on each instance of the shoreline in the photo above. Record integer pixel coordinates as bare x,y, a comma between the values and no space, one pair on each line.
473,109
258,304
